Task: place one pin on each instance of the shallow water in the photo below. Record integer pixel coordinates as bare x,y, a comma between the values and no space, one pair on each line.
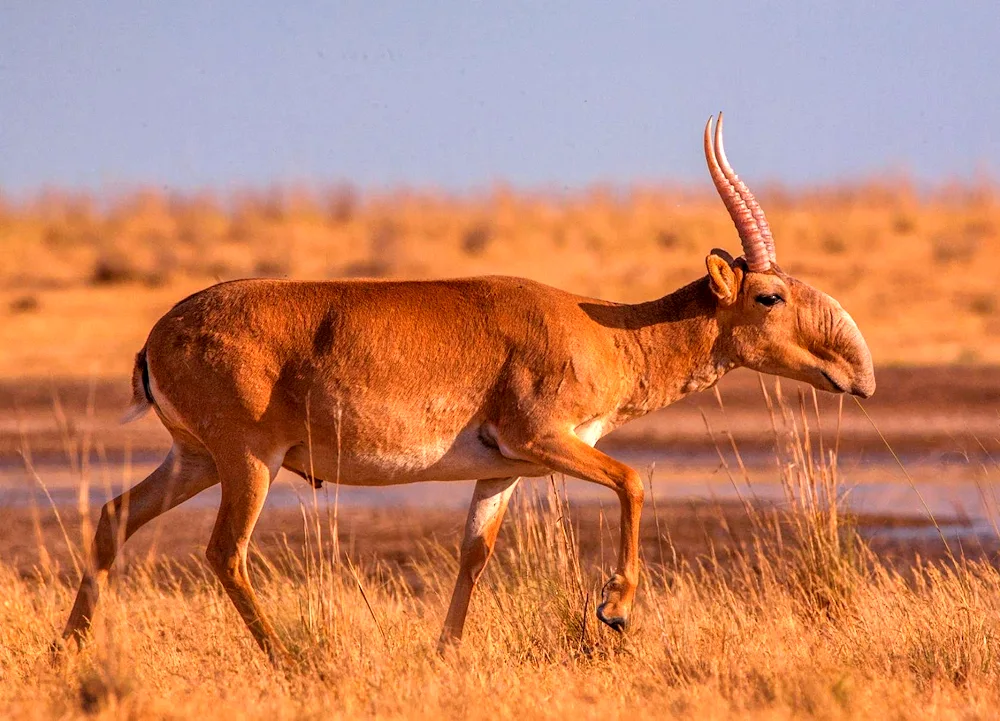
945,491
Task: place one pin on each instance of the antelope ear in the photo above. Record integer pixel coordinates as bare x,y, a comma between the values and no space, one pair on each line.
723,278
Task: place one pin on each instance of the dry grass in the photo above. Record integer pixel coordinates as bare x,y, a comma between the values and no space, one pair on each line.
798,618
82,278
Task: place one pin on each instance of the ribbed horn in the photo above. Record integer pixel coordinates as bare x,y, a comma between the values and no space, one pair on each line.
744,191
754,248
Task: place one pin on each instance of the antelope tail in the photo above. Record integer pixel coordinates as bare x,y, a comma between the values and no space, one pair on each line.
142,398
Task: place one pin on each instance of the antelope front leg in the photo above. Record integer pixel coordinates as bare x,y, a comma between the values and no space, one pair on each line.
570,455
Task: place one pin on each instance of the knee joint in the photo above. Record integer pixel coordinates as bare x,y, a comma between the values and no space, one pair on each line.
475,554
632,489
106,535
224,562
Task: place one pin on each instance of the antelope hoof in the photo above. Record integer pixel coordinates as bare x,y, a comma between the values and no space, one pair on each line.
281,659
447,647
448,642
72,639
285,663
614,608
57,650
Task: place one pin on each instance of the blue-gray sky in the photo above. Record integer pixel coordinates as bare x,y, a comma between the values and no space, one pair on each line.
459,94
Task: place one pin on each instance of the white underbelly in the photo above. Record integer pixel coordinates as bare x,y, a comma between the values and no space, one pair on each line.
464,457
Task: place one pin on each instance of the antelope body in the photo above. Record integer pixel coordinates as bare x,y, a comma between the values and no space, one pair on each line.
382,382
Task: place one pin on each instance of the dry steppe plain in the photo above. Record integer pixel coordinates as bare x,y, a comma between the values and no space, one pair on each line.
766,600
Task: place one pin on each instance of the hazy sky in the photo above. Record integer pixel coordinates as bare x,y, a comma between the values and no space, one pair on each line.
459,94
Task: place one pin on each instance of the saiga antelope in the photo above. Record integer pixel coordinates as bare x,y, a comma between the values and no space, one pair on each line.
381,382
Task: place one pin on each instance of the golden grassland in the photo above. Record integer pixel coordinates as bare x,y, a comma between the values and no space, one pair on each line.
778,637
83,278
796,616
789,612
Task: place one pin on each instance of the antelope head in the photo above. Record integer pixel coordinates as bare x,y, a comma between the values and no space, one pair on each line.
774,323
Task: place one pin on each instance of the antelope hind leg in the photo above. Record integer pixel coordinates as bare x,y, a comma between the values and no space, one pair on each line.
245,482
184,473
486,512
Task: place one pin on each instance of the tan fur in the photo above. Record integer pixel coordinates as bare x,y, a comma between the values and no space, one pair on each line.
379,382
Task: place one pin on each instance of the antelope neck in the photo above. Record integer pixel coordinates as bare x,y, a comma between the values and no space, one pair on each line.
674,347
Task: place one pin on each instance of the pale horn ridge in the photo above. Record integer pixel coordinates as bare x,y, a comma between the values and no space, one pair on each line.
744,191
755,249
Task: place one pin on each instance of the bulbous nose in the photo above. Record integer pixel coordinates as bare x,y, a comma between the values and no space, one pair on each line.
856,353
864,375
864,388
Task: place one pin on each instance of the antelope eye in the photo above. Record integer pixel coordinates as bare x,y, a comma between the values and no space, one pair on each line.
769,300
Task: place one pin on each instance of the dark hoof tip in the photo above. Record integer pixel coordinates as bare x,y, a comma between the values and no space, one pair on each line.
57,651
616,622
